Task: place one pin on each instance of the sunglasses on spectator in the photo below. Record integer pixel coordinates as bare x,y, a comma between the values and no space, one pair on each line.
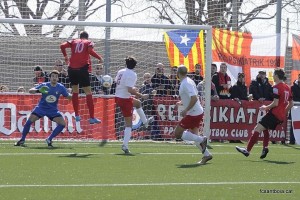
99,68
60,65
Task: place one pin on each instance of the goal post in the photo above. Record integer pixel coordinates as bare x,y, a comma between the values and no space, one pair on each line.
21,53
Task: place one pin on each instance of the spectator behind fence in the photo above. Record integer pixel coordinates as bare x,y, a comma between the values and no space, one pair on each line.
4,88
222,82
96,80
260,88
214,69
239,91
63,76
213,91
174,82
21,90
296,97
160,82
40,75
196,76
148,106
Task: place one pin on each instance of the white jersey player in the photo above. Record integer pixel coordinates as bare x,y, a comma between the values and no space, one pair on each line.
188,127
125,82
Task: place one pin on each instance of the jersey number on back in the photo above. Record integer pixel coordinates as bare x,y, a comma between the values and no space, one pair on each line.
79,47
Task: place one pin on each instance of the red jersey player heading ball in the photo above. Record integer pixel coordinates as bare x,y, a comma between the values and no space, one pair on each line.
79,62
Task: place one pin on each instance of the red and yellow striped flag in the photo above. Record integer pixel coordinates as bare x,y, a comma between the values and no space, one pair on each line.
248,53
295,57
185,47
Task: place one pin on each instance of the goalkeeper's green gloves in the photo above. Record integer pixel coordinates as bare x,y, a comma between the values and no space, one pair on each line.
44,90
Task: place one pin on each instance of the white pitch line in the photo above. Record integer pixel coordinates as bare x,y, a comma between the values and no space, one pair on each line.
99,153
148,184
84,153
138,144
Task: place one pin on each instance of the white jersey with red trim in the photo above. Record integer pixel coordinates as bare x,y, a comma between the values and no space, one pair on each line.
125,78
188,89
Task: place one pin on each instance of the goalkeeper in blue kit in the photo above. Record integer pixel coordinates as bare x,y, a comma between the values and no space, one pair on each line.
47,106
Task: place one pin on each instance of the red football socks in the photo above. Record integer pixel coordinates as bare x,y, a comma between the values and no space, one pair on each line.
252,141
75,103
90,104
266,138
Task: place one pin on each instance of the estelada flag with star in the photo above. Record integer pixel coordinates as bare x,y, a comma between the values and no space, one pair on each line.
185,47
295,57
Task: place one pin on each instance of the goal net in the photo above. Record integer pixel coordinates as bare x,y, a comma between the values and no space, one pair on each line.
38,48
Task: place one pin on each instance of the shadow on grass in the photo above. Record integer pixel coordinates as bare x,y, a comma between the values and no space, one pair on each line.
102,143
292,146
75,155
46,147
184,166
123,154
273,162
278,162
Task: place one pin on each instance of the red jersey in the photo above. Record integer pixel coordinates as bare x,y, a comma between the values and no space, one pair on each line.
81,49
282,92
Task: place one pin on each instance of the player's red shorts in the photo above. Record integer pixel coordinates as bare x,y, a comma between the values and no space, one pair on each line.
126,106
190,122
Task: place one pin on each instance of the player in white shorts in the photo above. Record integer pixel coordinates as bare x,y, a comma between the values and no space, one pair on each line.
125,82
188,127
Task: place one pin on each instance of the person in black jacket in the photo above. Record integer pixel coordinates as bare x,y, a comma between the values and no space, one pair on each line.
40,75
160,82
196,76
239,91
260,88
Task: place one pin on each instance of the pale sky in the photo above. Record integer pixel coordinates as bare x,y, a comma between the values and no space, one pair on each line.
256,27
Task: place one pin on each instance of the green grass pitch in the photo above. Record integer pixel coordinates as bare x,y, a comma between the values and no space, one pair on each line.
89,170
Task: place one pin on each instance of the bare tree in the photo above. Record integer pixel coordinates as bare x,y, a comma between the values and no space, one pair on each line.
217,13
45,9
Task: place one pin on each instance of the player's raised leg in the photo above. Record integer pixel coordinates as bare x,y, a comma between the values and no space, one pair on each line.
138,105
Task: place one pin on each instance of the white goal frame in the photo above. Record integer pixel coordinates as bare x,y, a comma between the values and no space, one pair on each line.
208,46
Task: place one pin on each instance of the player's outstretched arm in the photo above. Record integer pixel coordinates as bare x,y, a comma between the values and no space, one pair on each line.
95,55
63,47
69,97
44,90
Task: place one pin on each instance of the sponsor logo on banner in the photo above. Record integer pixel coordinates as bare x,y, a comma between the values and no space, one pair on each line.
229,120
12,120
15,110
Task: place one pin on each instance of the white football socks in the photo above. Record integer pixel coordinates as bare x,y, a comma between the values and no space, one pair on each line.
187,135
142,115
127,136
